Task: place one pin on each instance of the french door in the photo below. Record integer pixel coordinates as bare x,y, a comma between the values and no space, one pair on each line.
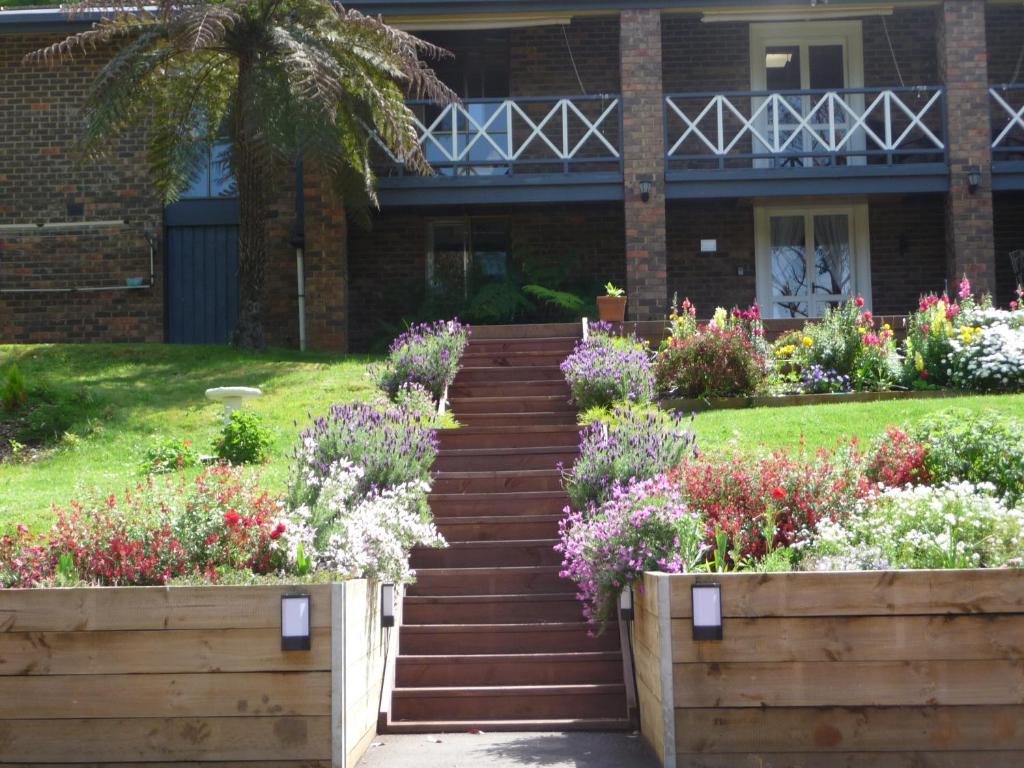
809,259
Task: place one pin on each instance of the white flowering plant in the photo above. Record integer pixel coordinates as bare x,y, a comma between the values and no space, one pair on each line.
956,525
987,351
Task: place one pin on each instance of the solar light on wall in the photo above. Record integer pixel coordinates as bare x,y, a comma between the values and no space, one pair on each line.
626,603
295,623
707,611
387,605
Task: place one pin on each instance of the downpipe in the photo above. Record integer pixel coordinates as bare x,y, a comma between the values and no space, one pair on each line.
298,242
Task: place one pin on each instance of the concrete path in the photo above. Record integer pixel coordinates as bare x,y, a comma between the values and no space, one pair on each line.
510,750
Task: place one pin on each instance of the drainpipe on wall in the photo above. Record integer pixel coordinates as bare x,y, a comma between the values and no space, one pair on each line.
298,242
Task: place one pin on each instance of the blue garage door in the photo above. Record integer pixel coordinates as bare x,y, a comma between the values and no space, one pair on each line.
202,284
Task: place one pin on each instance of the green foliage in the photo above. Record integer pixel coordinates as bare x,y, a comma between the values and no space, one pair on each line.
168,454
561,301
611,290
13,392
66,573
978,448
835,339
244,439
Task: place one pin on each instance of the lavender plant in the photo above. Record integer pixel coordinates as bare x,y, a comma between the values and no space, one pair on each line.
605,369
631,443
818,380
427,354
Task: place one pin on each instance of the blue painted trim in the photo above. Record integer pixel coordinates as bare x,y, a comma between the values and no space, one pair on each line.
522,188
779,182
208,212
1008,175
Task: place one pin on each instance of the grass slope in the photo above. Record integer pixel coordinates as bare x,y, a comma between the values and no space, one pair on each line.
126,395
764,429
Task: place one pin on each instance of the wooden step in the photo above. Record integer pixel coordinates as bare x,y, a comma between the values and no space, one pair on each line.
498,482
491,609
509,669
564,344
560,418
484,459
509,389
532,725
528,702
518,436
553,637
541,579
498,527
480,554
505,373
527,331
528,503
463,406
530,359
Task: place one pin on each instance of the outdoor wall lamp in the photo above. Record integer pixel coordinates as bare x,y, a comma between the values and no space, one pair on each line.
295,623
626,603
707,611
387,605
973,178
646,185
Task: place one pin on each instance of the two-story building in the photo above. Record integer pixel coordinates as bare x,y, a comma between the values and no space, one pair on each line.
734,151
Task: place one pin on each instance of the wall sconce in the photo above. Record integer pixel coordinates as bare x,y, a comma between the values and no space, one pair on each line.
707,611
626,603
646,185
973,178
387,605
295,623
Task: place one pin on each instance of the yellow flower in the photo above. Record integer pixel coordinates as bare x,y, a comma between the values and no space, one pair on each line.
785,351
918,361
720,318
861,330
887,327
807,341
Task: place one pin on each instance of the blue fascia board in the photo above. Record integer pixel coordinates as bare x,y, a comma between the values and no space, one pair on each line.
1008,175
405,191
204,212
784,182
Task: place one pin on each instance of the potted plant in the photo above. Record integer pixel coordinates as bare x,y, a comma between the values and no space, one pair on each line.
612,306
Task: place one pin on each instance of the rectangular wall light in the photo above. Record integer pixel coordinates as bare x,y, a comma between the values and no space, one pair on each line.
626,603
707,611
295,634
387,605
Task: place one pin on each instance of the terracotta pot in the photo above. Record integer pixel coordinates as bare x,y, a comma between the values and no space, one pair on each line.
612,309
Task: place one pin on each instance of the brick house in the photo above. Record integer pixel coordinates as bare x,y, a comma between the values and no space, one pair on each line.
784,153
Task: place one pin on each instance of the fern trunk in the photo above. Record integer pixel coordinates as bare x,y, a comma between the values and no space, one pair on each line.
250,170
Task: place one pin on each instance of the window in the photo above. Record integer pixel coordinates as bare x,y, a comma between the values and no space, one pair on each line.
809,258
464,251
214,178
817,56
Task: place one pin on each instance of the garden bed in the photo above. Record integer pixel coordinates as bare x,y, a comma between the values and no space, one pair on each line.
895,667
197,674
690,405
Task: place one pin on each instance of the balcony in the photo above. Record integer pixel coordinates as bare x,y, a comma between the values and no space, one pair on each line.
511,150
1007,116
850,141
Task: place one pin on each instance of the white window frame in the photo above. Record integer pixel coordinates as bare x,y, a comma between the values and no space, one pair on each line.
848,34
860,250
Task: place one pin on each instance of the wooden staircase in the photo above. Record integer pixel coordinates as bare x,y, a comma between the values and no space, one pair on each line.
492,638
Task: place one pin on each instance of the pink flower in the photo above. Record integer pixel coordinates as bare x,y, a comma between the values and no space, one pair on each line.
859,301
965,288
1013,305
869,318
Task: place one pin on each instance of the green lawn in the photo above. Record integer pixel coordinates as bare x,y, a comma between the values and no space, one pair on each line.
126,395
763,429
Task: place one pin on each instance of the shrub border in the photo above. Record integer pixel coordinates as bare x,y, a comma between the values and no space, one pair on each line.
699,404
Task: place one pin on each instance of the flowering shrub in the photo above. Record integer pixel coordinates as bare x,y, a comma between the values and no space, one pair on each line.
631,443
643,526
605,369
987,351
818,380
834,342
979,448
427,354
714,362
24,559
361,536
897,459
391,445
768,502
168,454
957,525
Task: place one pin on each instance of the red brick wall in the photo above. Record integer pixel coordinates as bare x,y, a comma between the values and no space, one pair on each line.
912,32
704,57
39,179
540,64
908,251
1009,236
1003,25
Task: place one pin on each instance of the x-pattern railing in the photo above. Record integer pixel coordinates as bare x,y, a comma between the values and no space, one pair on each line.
1007,120
486,133
772,125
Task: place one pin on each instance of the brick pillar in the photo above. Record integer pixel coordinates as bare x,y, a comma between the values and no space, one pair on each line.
643,155
963,66
326,268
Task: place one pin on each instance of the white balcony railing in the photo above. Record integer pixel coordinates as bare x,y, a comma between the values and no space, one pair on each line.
504,136
1007,112
805,128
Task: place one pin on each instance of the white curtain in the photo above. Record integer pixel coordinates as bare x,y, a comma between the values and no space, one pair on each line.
832,255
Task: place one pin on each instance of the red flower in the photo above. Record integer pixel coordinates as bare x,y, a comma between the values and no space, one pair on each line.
778,493
859,301
276,533
232,518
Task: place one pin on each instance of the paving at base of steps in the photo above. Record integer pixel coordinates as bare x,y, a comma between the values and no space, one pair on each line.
509,750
